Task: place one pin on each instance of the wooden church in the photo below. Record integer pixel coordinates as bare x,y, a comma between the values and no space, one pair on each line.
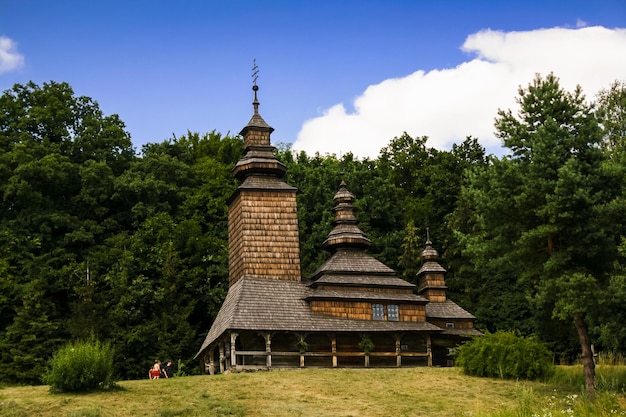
353,311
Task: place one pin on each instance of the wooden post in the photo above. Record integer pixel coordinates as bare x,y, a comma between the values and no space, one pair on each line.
222,357
233,351
334,350
301,348
268,349
429,350
398,352
211,361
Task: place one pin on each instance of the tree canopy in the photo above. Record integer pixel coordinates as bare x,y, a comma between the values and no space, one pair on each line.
100,241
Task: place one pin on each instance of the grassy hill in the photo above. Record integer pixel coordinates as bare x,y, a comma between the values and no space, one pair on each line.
432,392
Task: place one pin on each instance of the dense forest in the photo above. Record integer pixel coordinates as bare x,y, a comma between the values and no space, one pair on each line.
98,239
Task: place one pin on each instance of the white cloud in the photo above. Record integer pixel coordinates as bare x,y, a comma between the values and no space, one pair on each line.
449,104
10,59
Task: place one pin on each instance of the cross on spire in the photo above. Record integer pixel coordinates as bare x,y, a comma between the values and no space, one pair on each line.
255,72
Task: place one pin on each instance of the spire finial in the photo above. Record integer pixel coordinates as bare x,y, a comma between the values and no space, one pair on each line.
255,88
255,72
428,242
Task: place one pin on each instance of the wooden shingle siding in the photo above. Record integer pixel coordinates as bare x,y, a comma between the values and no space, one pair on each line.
257,138
435,296
348,310
263,236
363,311
415,313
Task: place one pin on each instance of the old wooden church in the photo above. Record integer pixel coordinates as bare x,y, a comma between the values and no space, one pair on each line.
353,311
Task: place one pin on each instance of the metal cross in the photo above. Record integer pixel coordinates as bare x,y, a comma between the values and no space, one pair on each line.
255,71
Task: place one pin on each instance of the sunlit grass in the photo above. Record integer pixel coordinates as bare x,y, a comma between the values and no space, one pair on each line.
432,392
610,378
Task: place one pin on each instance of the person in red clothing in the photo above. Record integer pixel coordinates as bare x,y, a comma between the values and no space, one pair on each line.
155,371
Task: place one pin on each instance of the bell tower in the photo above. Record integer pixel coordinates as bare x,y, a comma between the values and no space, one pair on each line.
263,237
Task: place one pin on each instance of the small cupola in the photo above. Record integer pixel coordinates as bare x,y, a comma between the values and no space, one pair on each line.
431,280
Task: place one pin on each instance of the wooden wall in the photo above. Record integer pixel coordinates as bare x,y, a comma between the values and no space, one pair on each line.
263,236
363,310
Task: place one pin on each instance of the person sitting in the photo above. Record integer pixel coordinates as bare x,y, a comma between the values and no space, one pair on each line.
168,370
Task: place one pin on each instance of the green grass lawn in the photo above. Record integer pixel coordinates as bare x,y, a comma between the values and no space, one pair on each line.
429,392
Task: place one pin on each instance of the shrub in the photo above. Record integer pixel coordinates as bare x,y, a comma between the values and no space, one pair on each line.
505,355
366,345
81,366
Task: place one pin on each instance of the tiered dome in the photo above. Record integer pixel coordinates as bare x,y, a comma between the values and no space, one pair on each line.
346,233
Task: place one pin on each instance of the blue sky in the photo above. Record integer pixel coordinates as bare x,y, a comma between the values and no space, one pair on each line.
335,76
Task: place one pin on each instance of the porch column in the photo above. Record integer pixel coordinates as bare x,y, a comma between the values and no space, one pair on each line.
429,350
233,351
334,350
398,352
268,349
222,357
212,361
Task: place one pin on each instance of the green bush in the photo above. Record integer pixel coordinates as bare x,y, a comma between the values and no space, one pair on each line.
80,367
505,355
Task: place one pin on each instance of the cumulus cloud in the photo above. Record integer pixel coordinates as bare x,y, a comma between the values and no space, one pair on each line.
10,58
449,104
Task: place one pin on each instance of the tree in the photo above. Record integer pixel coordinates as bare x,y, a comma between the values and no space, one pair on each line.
97,241
546,213
412,247
612,114
58,156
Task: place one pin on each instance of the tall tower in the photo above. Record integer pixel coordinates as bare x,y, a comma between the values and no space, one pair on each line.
262,215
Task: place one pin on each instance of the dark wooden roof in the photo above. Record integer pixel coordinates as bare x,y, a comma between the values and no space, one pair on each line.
347,280
430,266
264,182
462,332
352,262
276,305
347,295
447,310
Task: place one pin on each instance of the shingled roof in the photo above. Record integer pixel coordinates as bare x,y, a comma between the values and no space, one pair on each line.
276,305
353,262
447,310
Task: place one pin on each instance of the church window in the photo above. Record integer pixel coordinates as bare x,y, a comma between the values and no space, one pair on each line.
392,312
378,312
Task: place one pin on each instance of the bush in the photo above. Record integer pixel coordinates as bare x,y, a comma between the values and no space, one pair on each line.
505,355
81,366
